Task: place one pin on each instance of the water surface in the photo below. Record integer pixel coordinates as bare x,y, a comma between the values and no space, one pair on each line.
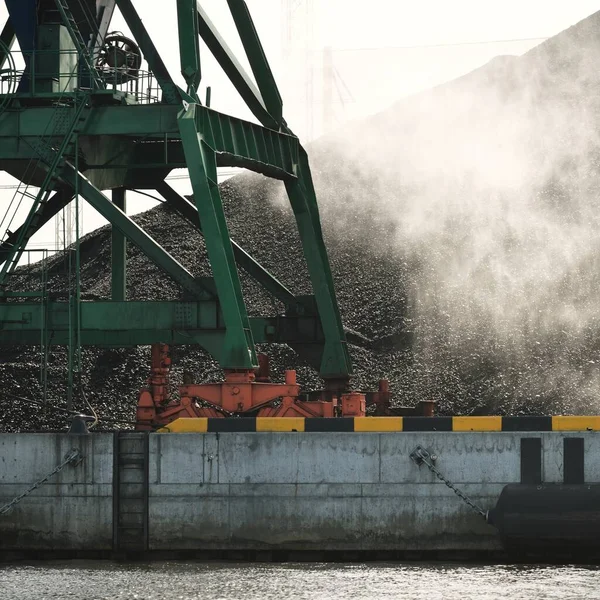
84,580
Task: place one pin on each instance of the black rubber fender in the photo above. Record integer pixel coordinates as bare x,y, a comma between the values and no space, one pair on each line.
547,515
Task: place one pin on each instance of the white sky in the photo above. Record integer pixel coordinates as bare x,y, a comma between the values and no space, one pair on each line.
373,70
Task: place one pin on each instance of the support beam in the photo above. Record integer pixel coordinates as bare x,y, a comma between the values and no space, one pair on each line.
257,58
238,351
134,323
198,288
236,73
336,362
7,37
187,210
189,45
115,324
45,213
155,62
108,324
247,145
238,143
119,251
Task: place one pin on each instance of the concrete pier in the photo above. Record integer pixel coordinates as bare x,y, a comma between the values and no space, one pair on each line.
279,491
72,511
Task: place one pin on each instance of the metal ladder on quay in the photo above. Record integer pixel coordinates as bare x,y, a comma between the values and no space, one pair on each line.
130,492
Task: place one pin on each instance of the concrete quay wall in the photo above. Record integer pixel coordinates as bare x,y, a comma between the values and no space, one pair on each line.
328,491
74,509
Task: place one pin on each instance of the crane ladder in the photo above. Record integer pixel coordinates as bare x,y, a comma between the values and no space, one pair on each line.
54,158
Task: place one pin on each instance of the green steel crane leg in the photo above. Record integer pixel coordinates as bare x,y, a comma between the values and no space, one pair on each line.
189,44
155,62
118,252
45,212
135,234
238,350
236,73
7,37
187,210
257,58
336,362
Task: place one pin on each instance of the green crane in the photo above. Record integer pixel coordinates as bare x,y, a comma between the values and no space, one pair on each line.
81,100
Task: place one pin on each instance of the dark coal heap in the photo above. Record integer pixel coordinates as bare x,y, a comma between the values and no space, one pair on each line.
462,228
112,378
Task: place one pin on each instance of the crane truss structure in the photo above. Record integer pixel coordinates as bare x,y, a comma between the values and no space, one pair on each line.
73,129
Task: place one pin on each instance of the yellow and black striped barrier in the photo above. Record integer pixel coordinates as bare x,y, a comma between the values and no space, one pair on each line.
384,424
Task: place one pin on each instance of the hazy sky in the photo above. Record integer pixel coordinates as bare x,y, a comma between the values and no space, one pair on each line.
373,66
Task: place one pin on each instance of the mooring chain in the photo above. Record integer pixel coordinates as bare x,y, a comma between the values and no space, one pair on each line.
421,456
72,457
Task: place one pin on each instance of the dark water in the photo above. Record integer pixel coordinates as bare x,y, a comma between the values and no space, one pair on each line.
190,581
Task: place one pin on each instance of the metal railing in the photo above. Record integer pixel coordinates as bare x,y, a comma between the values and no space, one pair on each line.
28,77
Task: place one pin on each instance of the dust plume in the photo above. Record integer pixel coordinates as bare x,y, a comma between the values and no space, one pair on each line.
486,192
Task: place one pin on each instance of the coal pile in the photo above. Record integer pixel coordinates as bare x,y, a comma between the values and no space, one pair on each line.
112,378
463,220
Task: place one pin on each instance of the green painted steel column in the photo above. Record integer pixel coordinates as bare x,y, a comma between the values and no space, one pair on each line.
189,44
238,350
119,251
336,363
233,69
257,58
